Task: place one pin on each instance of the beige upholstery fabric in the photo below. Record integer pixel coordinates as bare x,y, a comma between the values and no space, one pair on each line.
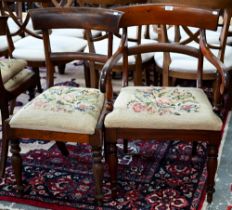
213,37
188,64
163,108
11,67
32,49
18,79
74,32
101,48
132,32
61,108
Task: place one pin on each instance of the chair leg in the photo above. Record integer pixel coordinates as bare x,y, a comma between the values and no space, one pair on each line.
112,160
4,147
31,93
17,164
194,148
98,173
62,147
39,86
61,68
4,152
211,167
87,75
12,105
125,146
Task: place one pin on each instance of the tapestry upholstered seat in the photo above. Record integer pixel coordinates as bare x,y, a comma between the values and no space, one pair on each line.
153,107
60,108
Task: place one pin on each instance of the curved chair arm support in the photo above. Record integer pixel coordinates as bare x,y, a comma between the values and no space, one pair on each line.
214,60
106,70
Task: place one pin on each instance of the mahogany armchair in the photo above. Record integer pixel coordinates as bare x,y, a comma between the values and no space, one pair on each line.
162,112
66,114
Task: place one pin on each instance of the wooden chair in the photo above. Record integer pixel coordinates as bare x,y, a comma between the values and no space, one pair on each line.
66,114
137,34
161,112
15,79
30,47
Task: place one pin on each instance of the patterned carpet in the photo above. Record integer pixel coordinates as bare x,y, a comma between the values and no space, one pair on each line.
152,176
223,188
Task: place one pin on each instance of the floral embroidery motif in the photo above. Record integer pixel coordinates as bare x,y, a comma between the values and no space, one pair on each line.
163,100
69,100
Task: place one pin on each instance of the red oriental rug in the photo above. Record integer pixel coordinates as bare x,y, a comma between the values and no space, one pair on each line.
153,176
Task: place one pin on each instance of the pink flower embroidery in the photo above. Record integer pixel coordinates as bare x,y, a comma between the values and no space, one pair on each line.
138,107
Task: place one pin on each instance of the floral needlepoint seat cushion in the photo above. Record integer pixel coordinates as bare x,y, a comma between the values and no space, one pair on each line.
62,108
163,108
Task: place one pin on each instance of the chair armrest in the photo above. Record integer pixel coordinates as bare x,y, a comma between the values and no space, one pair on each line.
111,62
215,61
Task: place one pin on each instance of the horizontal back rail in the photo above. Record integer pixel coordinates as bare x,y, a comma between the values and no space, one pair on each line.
169,14
93,18
214,4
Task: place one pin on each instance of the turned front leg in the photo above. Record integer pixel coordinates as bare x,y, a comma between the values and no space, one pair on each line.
113,166
98,173
17,164
211,167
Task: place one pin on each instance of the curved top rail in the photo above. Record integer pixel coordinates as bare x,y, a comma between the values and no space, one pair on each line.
214,4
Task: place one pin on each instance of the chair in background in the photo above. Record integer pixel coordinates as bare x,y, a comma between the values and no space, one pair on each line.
30,47
161,112
15,79
61,113
4,48
139,34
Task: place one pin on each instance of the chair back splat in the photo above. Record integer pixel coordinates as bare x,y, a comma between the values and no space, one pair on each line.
63,113
139,65
163,112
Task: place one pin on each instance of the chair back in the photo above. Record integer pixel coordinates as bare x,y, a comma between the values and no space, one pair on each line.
81,18
225,7
173,15
20,23
169,14
109,3
213,4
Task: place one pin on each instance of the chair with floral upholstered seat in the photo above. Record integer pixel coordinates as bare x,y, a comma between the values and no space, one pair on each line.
63,113
162,112
15,79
